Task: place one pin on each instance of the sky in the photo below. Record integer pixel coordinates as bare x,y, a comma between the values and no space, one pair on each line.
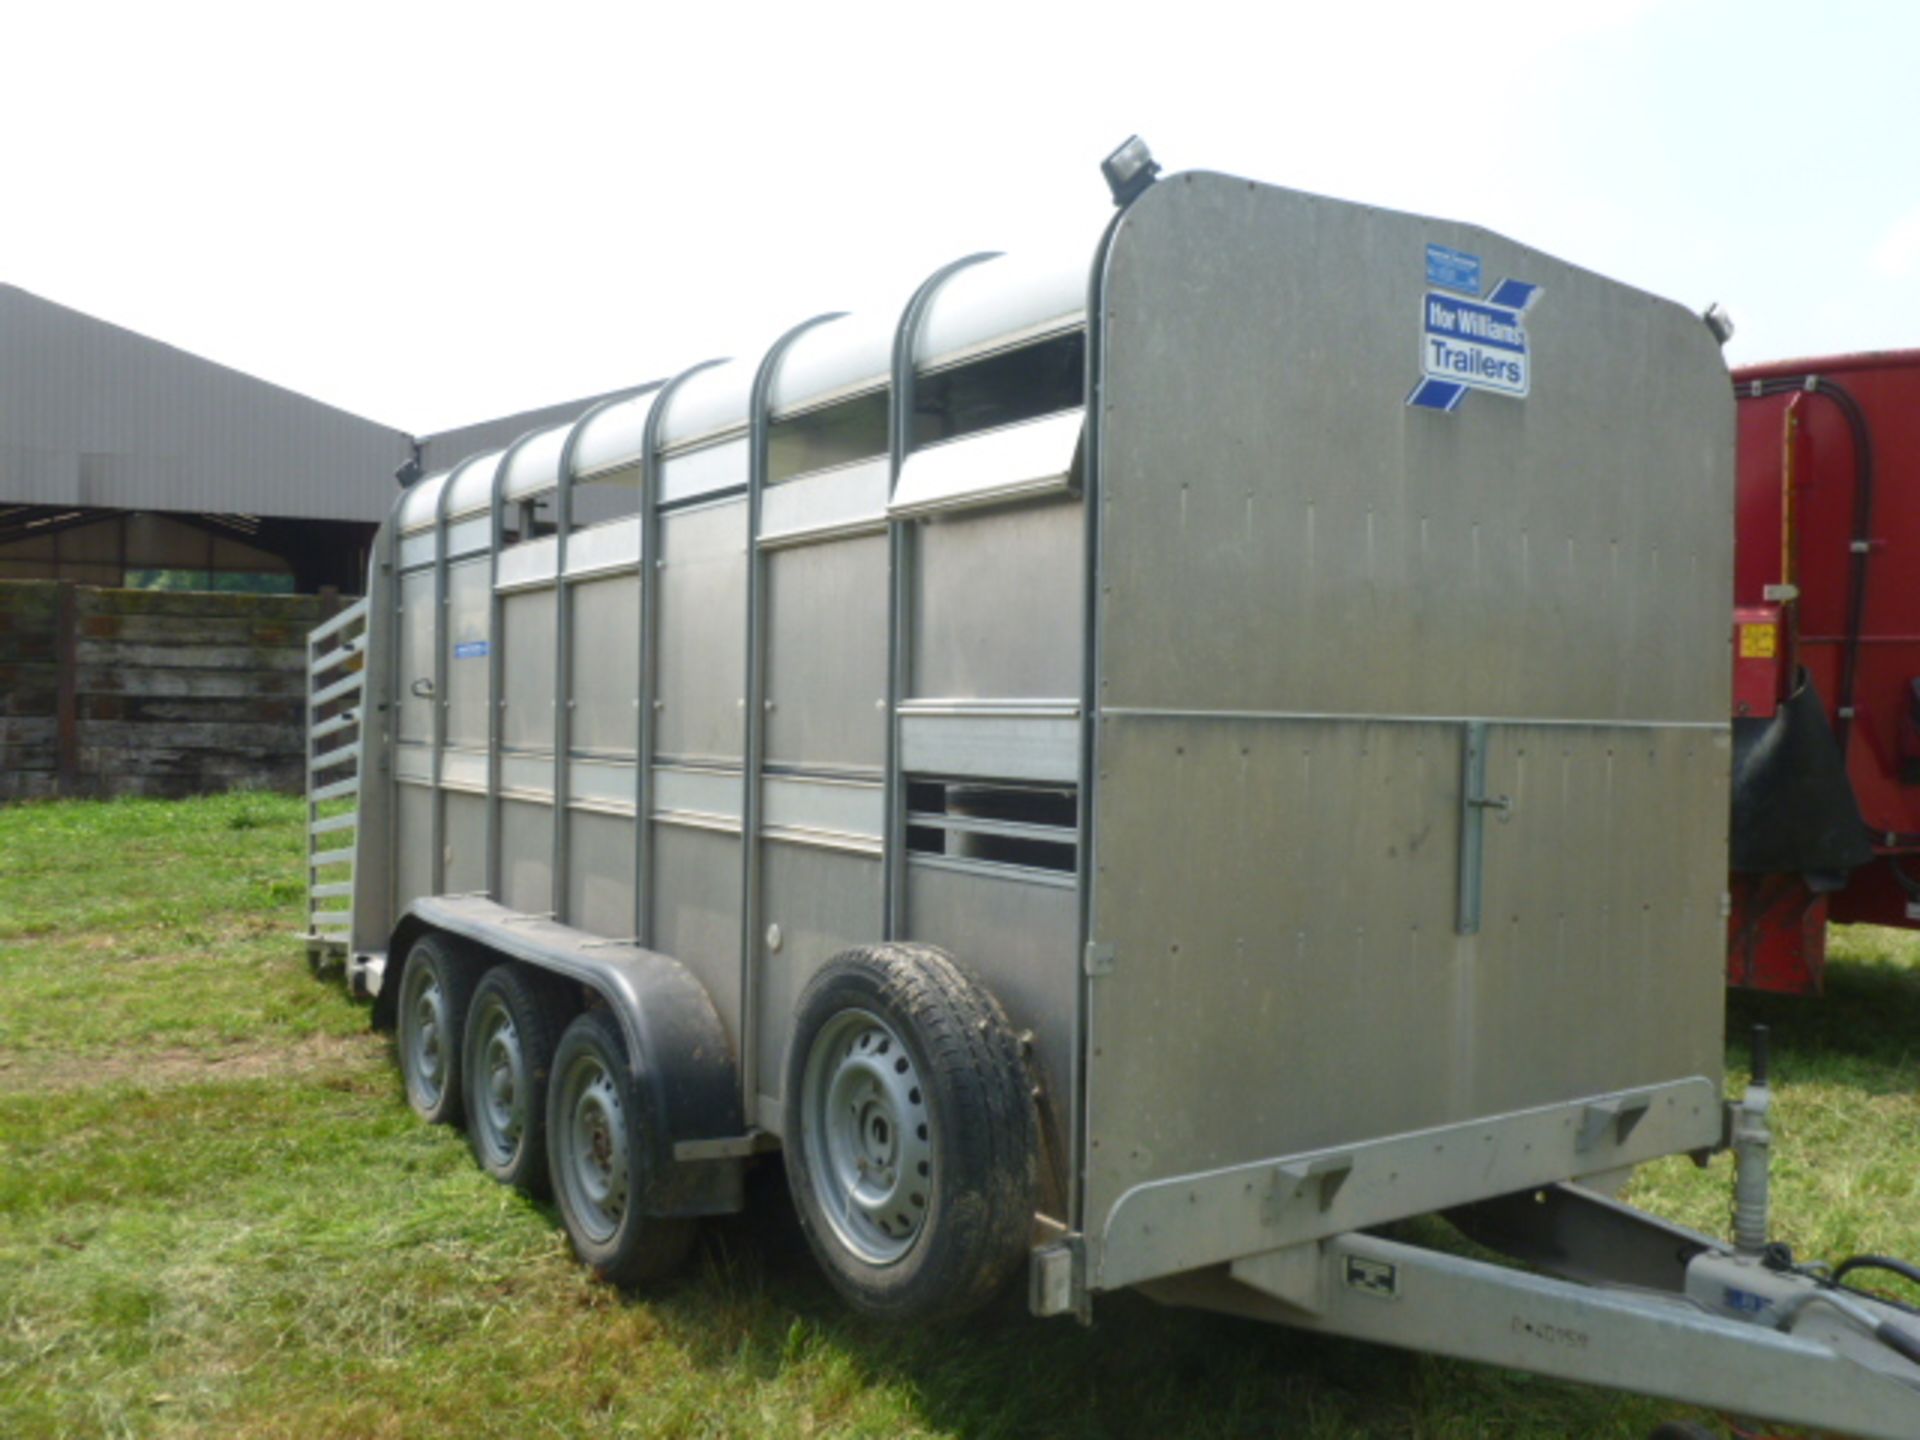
431,214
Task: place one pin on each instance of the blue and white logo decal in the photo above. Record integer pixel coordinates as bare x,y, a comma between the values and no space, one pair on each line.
1471,344
1453,269
470,650
1745,1302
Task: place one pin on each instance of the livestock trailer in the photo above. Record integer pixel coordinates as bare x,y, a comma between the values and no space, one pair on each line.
1827,683
1140,767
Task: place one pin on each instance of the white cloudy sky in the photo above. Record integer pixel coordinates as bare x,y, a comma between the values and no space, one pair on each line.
434,213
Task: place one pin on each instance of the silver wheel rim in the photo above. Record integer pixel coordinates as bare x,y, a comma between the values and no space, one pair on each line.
595,1169
428,1045
499,1085
868,1135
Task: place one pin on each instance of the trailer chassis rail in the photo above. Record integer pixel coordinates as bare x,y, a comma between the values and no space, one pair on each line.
1628,1300
1369,1288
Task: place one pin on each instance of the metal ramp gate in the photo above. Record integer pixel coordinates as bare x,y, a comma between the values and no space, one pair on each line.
336,699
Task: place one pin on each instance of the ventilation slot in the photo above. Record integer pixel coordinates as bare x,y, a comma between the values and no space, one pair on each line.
827,437
1005,389
607,496
1027,827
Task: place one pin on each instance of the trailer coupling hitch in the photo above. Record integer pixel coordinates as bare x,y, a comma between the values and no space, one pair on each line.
1760,1281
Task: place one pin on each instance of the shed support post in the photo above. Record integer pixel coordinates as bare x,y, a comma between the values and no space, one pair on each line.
66,659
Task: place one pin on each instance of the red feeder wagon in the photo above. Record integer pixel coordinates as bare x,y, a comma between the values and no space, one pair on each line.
1826,814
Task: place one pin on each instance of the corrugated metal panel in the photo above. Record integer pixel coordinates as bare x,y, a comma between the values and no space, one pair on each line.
91,414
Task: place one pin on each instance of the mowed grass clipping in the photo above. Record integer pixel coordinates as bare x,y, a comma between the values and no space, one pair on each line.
218,1217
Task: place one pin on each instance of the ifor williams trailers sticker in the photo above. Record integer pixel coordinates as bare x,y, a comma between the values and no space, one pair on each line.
1470,343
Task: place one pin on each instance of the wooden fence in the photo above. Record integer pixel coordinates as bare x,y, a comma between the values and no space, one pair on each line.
143,692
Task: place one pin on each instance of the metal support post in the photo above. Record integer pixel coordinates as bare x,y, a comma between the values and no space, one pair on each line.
649,640
900,587
754,732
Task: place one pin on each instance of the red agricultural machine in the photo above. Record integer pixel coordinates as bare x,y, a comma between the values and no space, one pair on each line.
1826,784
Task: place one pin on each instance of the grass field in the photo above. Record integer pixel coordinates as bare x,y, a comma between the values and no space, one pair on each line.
218,1217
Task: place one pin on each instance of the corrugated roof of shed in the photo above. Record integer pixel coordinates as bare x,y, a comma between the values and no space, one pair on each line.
92,414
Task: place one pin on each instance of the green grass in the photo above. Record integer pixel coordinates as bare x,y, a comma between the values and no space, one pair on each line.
218,1217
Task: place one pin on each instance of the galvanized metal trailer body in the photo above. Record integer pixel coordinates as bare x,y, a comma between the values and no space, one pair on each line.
1331,789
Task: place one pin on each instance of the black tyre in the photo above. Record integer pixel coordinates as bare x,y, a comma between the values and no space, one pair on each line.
513,1027
435,989
598,1151
910,1133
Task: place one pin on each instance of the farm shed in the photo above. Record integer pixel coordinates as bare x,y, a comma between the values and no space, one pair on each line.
119,454
127,465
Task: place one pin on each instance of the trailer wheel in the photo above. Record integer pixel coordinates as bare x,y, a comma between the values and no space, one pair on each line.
597,1150
910,1133
435,989
513,1026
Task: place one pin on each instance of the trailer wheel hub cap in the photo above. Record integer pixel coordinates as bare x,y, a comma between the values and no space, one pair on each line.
596,1166
500,1118
868,1136
427,1047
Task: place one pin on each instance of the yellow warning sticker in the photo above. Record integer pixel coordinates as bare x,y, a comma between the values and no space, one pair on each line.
1759,642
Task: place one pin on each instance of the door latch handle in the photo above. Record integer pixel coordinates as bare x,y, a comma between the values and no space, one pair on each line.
1474,804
